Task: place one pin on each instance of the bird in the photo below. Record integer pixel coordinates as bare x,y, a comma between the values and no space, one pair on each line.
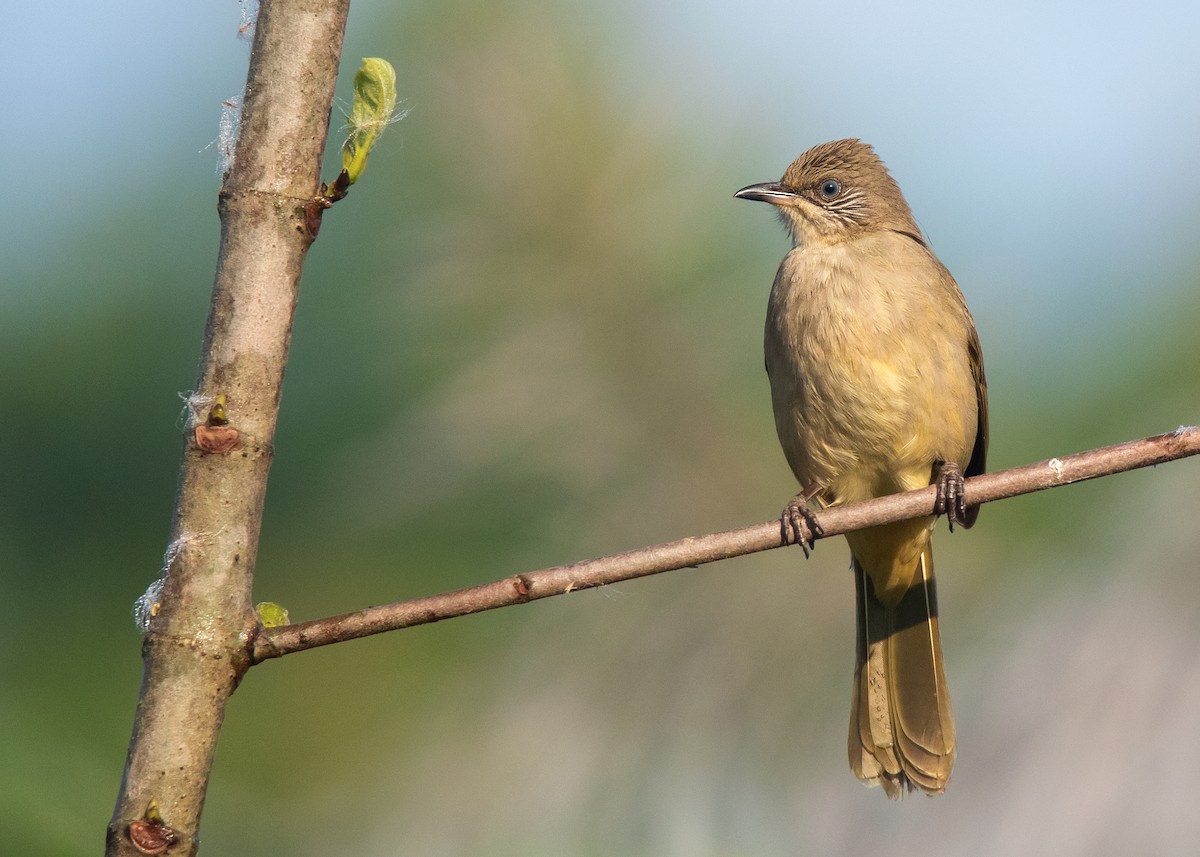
877,386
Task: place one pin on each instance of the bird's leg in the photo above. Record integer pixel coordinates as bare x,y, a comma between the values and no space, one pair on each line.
798,524
951,499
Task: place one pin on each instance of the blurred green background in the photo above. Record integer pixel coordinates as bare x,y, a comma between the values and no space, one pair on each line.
531,335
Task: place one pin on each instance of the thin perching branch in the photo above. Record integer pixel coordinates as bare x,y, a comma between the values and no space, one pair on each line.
200,624
695,551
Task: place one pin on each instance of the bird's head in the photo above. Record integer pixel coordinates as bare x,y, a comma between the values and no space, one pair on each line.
834,192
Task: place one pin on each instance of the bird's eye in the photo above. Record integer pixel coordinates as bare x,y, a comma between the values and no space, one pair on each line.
830,188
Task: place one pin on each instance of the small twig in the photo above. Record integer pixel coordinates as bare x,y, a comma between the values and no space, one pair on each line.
695,551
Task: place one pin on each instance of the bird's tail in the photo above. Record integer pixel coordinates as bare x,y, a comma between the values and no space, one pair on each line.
901,727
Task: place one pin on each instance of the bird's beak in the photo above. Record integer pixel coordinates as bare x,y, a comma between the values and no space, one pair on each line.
772,192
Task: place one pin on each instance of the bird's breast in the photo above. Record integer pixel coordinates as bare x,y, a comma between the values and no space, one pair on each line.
870,378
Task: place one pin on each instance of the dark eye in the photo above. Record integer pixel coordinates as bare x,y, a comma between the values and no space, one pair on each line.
830,188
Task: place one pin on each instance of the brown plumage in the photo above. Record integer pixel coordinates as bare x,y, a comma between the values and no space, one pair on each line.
877,384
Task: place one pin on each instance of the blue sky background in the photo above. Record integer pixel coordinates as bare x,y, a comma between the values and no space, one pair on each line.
1048,149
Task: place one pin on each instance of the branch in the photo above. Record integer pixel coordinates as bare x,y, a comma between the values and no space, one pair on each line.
200,619
692,552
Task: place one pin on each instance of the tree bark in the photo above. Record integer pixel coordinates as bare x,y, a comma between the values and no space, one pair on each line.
201,624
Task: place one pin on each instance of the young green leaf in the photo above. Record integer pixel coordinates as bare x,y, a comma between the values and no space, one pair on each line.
271,615
373,110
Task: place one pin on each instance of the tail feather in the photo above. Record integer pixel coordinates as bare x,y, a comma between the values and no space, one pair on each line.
901,726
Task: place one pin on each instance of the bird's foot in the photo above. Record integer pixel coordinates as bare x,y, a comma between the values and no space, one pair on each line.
951,498
798,524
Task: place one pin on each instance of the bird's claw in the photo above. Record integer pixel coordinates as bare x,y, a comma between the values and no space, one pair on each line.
951,498
798,525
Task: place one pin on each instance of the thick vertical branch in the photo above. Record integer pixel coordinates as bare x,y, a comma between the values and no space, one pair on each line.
196,647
